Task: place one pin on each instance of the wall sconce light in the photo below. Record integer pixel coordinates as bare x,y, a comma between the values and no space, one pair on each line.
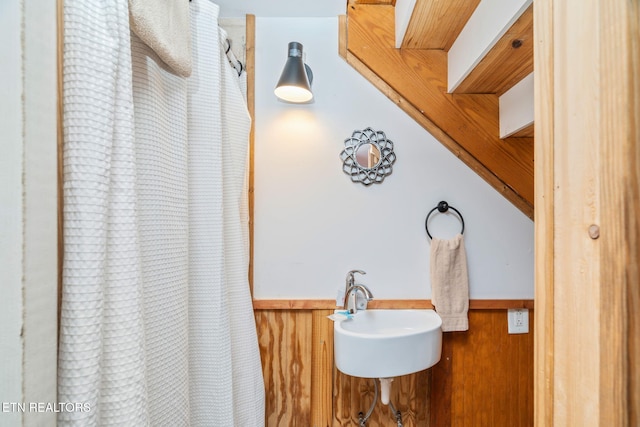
295,82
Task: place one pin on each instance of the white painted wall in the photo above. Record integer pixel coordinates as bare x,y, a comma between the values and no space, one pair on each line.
280,8
28,212
312,224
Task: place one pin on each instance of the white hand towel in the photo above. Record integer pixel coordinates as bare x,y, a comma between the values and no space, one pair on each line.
164,26
450,283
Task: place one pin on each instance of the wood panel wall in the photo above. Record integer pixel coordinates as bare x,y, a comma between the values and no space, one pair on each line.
485,376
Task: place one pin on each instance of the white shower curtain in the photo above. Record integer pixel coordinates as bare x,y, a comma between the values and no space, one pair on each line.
157,326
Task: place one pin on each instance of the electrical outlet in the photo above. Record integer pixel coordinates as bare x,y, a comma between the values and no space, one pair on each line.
518,319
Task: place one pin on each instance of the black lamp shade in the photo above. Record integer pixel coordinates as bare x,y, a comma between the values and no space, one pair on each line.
294,84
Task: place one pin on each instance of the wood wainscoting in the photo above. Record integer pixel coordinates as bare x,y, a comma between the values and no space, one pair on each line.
484,378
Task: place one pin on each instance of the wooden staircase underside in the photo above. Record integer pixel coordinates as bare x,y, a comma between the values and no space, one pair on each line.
416,80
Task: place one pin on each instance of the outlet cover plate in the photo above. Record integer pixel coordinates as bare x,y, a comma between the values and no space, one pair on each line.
518,320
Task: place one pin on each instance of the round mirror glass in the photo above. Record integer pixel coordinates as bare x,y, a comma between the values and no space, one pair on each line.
367,155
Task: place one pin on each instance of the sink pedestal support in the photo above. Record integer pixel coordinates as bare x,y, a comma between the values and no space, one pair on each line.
385,389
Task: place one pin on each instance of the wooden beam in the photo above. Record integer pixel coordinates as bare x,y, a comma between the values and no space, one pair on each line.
576,206
435,24
588,229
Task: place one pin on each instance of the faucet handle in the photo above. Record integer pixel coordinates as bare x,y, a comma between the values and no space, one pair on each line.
351,275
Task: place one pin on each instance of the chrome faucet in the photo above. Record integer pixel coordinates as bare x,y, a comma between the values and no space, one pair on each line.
351,292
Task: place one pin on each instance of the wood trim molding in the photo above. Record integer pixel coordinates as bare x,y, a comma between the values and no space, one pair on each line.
250,47
328,304
342,36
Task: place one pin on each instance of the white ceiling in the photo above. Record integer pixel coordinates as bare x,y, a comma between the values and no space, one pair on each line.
282,8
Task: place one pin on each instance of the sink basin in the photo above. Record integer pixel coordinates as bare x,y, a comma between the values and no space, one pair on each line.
387,343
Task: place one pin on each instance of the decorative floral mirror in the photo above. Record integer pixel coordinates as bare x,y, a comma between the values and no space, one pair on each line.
367,156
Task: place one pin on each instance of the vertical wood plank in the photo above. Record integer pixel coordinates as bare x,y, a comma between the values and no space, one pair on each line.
619,152
267,341
322,369
578,258
441,386
251,106
299,325
341,399
632,220
411,396
544,212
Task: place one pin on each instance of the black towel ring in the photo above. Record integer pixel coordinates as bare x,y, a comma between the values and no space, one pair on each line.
442,207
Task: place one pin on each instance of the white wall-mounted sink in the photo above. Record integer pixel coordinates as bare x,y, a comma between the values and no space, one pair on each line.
387,343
